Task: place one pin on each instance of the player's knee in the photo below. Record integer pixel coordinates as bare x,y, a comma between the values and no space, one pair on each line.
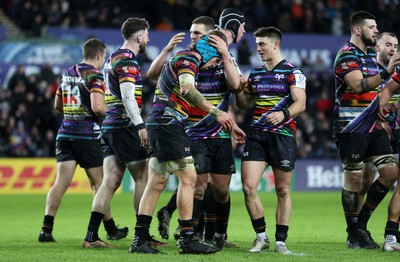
282,192
199,193
384,161
249,190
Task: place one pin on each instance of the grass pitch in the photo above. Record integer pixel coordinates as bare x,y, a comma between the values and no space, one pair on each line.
316,233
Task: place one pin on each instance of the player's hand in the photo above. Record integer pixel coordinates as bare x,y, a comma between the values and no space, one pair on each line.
219,44
225,120
238,134
275,118
144,140
383,111
393,62
174,41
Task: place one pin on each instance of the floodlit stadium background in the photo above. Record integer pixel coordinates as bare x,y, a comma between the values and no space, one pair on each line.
39,39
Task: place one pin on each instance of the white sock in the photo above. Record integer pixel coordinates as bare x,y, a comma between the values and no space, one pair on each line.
277,243
262,235
391,239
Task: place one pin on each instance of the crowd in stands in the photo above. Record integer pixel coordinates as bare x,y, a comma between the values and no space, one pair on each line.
28,123
309,16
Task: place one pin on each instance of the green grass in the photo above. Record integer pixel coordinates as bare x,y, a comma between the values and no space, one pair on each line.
317,229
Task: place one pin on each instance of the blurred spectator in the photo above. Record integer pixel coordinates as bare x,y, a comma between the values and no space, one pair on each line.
315,16
244,53
164,25
19,141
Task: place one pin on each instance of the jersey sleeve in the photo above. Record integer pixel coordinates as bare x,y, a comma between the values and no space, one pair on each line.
96,82
127,71
346,61
187,64
297,79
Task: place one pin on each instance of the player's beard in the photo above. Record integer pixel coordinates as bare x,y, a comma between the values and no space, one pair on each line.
367,41
142,47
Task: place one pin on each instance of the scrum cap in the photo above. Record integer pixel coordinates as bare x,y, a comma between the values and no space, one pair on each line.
231,19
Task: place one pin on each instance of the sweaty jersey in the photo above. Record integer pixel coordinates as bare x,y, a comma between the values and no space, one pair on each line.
169,106
354,113
77,83
211,84
121,67
272,93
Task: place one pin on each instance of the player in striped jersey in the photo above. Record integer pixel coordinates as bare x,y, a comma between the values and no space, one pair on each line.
124,137
358,136
80,98
211,145
278,90
392,234
199,28
386,46
172,153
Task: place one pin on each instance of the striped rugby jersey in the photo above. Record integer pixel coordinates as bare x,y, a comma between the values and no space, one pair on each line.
354,113
169,106
77,83
120,67
211,84
272,93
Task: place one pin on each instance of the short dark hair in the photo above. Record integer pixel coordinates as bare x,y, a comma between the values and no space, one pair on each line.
269,32
92,48
207,21
358,18
385,33
133,25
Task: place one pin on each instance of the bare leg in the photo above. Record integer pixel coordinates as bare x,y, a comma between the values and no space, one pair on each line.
65,173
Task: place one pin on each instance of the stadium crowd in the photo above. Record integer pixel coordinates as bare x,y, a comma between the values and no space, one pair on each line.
309,16
28,130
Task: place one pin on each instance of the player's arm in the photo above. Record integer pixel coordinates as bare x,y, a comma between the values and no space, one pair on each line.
299,102
98,104
360,85
58,105
130,104
232,76
384,96
132,109
298,96
243,99
156,66
189,92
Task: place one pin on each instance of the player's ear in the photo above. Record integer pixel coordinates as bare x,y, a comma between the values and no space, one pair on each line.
139,38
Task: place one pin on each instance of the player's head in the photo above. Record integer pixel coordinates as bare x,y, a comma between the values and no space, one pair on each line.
386,46
200,27
363,25
95,50
207,51
268,41
137,30
233,20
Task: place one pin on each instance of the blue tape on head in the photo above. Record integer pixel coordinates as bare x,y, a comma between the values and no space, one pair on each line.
205,50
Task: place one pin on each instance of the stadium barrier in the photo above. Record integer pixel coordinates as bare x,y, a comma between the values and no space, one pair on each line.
37,175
